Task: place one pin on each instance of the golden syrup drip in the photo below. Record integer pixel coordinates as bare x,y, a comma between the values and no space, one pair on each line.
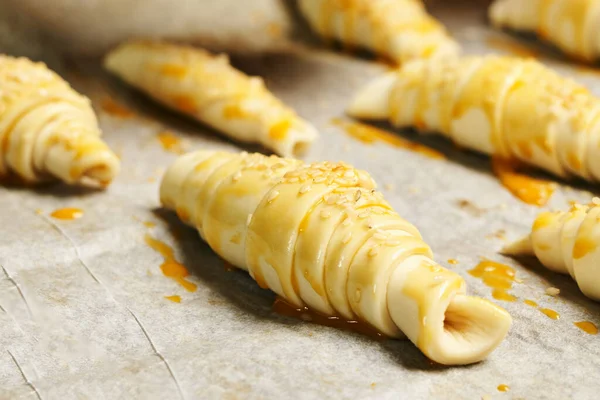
530,303
512,47
115,109
527,189
283,307
452,261
67,214
174,298
171,267
149,224
503,388
170,142
550,313
587,327
499,277
371,135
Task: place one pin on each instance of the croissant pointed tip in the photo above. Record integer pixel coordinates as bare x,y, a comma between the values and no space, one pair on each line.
372,102
518,248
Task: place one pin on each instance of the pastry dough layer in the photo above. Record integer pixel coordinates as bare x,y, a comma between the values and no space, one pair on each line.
571,25
320,235
209,89
511,107
399,29
567,242
47,130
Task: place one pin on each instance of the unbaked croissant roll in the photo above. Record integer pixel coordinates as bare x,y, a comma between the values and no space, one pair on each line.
320,235
209,89
567,243
399,29
571,25
47,130
510,107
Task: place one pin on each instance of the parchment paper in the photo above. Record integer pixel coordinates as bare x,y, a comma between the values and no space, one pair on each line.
82,307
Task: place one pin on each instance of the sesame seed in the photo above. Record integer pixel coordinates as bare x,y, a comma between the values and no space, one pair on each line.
274,194
248,220
357,195
236,177
320,179
379,235
331,199
347,238
348,174
346,221
294,180
325,214
305,189
373,252
363,215
552,291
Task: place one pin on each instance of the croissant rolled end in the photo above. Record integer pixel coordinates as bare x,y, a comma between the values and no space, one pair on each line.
373,101
470,330
93,164
297,141
522,247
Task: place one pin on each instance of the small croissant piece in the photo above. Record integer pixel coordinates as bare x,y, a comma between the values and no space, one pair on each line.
399,29
320,235
572,25
567,242
209,89
510,107
47,130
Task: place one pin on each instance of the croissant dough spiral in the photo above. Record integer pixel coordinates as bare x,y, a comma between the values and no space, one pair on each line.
47,130
571,25
320,235
510,107
567,242
399,29
209,89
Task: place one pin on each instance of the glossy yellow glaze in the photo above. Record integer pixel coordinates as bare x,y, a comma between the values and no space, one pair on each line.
171,267
499,277
370,135
529,190
67,213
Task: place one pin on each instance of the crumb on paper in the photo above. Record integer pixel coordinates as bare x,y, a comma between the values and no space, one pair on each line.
552,291
452,261
373,385
499,234
469,207
275,30
389,187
